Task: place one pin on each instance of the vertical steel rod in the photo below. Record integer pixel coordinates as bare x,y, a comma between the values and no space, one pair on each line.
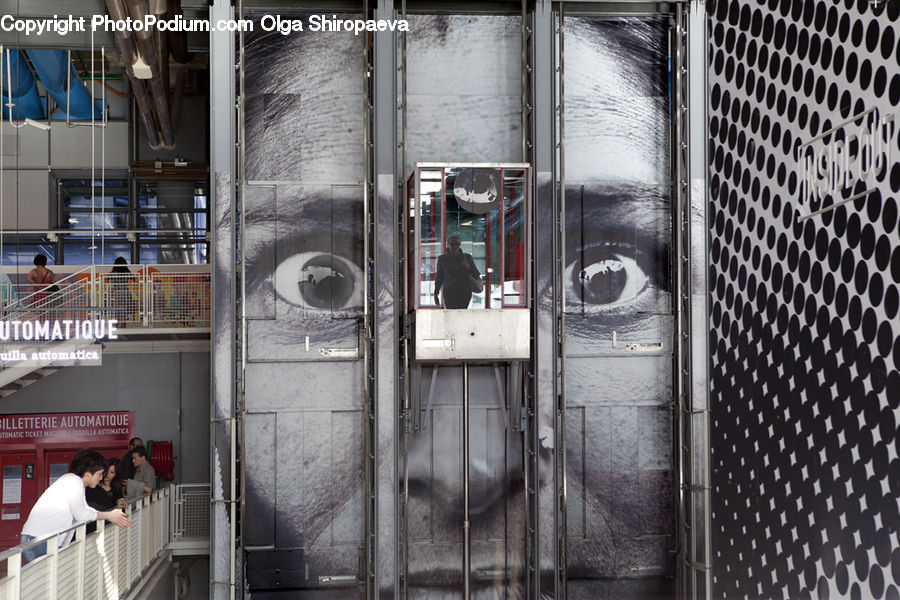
467,550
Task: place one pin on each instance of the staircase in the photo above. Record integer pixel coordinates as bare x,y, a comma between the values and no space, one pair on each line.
153,304
25,380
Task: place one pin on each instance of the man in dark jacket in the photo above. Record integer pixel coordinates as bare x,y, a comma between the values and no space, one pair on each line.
126,466
455,274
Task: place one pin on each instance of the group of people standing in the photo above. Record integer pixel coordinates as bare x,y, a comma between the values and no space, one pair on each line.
94,489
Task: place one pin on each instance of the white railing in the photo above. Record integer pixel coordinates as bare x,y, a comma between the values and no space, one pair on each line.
103,565
148,296
190,519
190,511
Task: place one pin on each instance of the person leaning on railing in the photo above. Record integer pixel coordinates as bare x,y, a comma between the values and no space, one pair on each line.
63,504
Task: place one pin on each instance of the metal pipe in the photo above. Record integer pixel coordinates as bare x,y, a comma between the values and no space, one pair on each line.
467,541
180,78
137,11
116,10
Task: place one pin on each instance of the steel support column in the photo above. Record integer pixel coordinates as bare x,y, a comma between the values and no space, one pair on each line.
543,400
385,310
224,355
697,556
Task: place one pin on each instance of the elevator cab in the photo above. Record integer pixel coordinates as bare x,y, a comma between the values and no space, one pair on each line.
467,343
468,277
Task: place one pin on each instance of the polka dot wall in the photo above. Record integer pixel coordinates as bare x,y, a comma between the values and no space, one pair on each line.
804,323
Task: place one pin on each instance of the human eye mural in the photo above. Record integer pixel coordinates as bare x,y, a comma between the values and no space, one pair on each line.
302,243
617,286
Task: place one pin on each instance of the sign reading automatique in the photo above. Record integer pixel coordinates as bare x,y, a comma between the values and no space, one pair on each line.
58,25
61,330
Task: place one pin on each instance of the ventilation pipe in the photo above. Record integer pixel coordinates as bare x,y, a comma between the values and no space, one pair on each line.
19,88
126,46
76,102
148,54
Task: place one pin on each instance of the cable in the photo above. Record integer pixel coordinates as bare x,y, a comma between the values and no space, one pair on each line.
115,91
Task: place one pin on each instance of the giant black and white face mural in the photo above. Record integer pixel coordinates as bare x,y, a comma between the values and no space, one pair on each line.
620,496
303,440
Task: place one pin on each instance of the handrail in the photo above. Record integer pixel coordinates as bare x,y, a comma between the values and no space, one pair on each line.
105,564
44,286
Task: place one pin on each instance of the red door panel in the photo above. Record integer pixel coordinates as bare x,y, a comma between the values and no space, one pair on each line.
18,493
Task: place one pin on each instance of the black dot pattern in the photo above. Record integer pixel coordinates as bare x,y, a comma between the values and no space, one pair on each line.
804,322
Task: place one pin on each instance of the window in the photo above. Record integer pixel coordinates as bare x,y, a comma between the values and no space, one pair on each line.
173,219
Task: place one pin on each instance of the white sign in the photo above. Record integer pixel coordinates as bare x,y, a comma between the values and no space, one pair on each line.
12,485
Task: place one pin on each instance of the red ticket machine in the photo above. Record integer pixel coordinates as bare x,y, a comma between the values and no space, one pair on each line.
36,449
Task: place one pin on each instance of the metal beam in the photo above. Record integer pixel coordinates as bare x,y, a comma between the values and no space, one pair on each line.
385,315
223,514
543,477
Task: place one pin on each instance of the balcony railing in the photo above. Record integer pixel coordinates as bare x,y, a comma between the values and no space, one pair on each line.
105,564
149,296
112,562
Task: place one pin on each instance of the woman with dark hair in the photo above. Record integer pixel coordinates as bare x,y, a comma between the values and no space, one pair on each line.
107,495
42,280
63,504
123,302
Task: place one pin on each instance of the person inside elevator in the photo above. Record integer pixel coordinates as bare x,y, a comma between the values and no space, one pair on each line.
143,471
457,275
63,504
126,467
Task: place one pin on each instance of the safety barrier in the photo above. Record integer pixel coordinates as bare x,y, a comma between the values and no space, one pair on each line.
105,565
190,520
149,296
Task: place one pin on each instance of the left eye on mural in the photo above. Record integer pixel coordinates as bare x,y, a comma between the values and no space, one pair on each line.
607,274
319,281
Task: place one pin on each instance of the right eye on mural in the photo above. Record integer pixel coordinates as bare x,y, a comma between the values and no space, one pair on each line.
608,274
319,281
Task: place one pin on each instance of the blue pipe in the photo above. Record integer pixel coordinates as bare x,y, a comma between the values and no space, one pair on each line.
23,90
51,67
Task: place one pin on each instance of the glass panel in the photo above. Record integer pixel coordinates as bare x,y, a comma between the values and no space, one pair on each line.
97,220
515,221
472,194
411,271
76,193
431,239
173,220
173,253
23,254
173,195
79,252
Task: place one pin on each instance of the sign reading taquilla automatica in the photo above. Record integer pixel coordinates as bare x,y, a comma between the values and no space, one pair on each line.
58,330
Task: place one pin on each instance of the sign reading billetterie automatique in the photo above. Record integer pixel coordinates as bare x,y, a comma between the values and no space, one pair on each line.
38,428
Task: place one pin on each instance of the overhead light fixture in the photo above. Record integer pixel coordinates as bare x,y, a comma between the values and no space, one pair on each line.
37,124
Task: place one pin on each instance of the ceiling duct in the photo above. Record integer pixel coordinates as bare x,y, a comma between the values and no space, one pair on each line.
61,80
20,93
146,58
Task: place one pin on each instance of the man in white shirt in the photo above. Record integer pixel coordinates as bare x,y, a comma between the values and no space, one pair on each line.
63,504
